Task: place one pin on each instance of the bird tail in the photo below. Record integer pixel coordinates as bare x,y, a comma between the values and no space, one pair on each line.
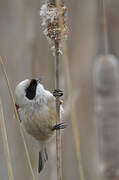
43,157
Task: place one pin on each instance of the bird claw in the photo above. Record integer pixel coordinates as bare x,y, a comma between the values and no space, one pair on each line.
60,126
57,93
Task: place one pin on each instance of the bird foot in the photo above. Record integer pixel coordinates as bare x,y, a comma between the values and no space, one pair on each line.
57,93
60,126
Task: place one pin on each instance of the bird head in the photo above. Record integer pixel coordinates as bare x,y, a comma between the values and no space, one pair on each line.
27,91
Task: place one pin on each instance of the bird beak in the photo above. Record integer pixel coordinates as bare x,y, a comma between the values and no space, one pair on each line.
40,79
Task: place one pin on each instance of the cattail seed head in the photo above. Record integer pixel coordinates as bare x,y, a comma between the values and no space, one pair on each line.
50,22
106,113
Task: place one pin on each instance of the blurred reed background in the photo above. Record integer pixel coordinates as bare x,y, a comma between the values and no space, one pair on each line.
28,55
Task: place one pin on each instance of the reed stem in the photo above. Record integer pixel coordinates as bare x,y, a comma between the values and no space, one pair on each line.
58,133
5,143
16,115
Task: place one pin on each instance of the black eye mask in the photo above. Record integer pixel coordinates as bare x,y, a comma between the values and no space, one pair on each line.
31,89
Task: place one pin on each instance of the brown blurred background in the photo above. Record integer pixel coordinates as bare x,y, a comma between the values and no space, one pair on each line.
28,55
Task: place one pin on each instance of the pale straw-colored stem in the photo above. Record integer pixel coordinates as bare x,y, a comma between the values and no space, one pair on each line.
58,133
104,26
5,143
16,115
73,113
69,86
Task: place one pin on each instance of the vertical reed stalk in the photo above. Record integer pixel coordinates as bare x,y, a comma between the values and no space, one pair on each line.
105,27
58,133
50,13
73,113
5,143
69,87
16,115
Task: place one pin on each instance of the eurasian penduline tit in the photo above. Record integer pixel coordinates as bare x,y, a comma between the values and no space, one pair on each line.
37,113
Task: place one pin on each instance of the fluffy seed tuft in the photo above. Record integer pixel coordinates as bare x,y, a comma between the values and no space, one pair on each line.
50,22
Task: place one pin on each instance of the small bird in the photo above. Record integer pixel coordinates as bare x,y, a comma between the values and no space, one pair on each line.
37,113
